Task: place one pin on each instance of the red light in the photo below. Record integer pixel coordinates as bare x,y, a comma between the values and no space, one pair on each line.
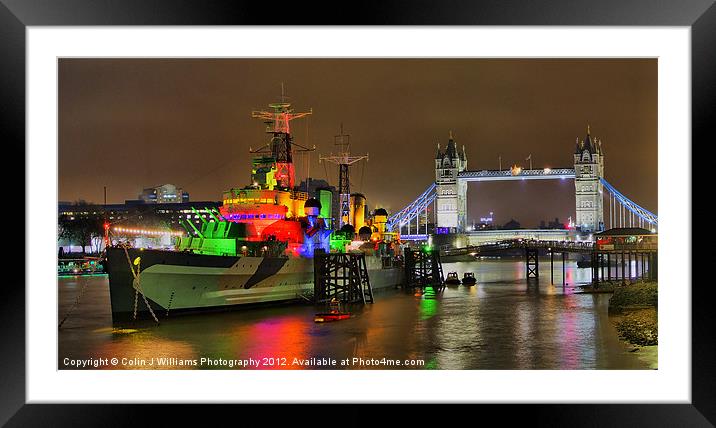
284,230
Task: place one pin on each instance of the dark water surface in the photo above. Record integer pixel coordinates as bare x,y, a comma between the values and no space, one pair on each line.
502,323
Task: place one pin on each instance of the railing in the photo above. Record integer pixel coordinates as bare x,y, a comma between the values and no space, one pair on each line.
557,246
627,247
414,237
298,195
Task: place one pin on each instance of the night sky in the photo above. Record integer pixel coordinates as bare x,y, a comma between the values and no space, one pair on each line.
133,123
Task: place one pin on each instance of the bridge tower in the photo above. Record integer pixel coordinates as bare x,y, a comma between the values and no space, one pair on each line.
588,170
451,193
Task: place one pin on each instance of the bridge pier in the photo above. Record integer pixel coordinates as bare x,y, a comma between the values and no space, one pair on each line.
564,267
653,267
532,262
642,265
596,266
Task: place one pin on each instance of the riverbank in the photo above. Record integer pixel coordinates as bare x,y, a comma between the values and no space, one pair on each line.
635,311
603,287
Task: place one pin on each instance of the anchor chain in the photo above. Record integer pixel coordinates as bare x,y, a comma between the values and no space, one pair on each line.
171,298
77,302
137,285
136,298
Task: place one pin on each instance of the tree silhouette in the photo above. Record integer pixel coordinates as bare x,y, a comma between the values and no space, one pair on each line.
80,228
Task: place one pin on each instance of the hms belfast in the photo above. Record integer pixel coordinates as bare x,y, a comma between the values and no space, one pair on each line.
258,247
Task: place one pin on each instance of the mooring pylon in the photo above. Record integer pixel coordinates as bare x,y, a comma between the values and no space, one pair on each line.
423,269
341,276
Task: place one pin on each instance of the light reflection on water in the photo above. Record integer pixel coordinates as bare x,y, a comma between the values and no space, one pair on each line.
501,323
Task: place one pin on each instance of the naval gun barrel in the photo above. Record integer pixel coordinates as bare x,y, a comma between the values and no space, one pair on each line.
211,213
192,226
203,220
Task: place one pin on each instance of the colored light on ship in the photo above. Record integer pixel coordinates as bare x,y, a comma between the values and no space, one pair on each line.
130,231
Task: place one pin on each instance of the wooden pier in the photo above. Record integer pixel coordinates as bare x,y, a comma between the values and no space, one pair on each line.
616,248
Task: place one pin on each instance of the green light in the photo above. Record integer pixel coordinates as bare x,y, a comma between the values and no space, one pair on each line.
428,308
338,243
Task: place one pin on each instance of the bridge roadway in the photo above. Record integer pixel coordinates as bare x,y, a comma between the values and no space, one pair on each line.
521,174
511,244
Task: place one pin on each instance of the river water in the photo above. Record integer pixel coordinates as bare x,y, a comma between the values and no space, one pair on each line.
501,323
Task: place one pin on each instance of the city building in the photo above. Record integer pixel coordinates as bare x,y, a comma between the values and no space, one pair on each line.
486,223
556,224
164,194
512,225
134,215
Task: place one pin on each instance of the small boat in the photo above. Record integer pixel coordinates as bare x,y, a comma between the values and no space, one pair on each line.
469,279
331,316
334,313
452,279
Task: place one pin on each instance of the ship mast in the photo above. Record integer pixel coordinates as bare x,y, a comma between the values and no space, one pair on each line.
277,124
344,160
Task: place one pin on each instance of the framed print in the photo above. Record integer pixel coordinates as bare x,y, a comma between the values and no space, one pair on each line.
447,204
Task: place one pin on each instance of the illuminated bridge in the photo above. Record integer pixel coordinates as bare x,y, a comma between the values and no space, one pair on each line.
446,197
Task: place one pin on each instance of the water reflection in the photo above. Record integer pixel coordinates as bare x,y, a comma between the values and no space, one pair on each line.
501,323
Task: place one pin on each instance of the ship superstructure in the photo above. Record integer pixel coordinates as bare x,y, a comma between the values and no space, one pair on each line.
344,160
270,207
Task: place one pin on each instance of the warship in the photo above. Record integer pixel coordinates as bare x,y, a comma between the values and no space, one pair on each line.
258,247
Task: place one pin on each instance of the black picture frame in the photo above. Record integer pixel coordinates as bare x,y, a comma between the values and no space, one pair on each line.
16,15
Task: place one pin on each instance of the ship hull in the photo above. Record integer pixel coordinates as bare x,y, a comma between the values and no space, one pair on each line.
178,282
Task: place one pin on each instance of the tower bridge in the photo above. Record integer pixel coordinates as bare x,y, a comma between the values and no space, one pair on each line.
447,195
